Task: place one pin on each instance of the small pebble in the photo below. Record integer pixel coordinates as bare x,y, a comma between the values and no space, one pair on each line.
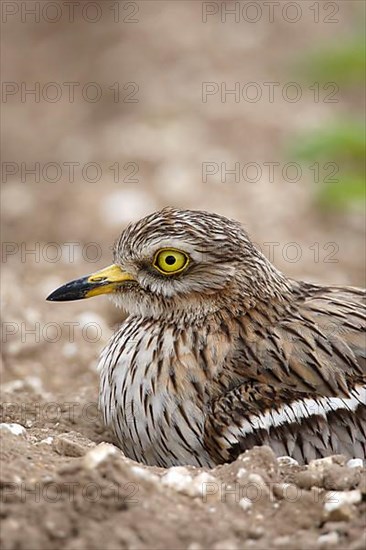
338,505
47,441
203,484
177,478
338,478
242,472
257,480
328,539
15,429
308,479
180,479
287,461
71,444
355,463
256,532
245,503
98,454
326,462
335,499
144,473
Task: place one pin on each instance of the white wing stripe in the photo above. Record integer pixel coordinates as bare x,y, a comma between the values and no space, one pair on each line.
296,411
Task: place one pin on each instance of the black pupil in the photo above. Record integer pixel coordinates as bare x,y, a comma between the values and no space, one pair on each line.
170,260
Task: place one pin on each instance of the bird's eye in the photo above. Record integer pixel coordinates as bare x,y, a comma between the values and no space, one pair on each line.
170,261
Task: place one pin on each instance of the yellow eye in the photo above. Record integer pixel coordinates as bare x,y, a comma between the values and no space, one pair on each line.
169,261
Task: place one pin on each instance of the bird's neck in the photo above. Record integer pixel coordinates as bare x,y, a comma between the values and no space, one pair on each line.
260,280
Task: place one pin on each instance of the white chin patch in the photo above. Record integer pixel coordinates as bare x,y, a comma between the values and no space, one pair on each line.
119,300
131,303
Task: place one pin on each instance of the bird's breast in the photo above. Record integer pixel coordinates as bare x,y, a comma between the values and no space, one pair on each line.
152,393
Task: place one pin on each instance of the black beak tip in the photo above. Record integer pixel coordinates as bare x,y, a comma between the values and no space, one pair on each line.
56,296
74,290
52,297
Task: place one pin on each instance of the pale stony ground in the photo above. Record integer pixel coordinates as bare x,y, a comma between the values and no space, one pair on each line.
64,486
54,232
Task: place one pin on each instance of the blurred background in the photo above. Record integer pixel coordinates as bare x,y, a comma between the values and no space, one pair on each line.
114,109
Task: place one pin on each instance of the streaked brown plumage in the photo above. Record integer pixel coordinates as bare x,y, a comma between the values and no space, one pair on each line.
222,352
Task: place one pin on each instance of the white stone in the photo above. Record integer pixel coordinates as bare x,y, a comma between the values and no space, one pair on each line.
181,480
256,479
13,385
200,483
15,429
328,538
47,441
242,472
177,478
32,382
355,463
321,463
98,454
144,473
245,503
337,499
287,461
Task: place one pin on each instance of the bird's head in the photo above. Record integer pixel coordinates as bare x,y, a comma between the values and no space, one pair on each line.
179,260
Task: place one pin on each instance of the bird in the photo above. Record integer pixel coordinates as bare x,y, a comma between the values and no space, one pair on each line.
221,352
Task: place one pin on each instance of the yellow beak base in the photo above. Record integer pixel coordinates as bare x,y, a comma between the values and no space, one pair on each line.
105,281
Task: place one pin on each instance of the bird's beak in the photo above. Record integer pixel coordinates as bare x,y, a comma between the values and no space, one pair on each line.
105,281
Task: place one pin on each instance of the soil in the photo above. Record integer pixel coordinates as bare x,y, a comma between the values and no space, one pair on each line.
64,484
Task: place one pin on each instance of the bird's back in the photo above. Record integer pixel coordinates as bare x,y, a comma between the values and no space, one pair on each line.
299,375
